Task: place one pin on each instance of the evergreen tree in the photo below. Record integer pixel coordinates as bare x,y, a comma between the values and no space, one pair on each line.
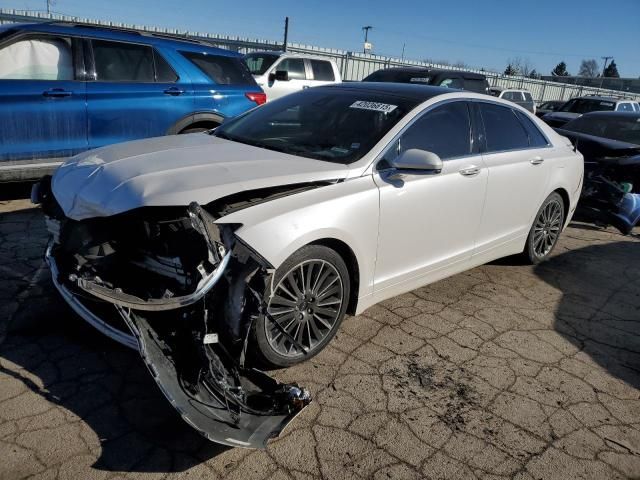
611,70
560,70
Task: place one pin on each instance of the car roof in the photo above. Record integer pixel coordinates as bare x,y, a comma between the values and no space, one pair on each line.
419,93
432,71
603,97
279,53
504,89
124,35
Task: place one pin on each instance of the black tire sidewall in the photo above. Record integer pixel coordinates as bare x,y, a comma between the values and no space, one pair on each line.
529,251
265,354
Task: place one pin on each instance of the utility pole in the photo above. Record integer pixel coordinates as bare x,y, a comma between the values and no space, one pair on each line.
286,33
48,7
604,67
366,37
403,45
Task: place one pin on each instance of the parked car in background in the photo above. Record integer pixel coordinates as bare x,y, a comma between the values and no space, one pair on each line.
549,106
520,97
575,107
255,239
66,88
610,143
473,82
280,73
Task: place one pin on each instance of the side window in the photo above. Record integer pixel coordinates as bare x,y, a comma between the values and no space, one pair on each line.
624,107
502,128
221,69
536,138
322,70
451,83
446,131
295,68
122,62
164,72
37,58
527,96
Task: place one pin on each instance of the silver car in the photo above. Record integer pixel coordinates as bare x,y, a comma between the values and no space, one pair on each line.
217,251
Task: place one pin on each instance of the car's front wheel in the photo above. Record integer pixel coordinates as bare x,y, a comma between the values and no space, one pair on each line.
308,300
546,229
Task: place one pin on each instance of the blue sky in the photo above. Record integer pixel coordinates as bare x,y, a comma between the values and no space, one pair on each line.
480,33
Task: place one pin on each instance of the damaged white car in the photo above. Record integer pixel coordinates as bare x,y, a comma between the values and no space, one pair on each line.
211,251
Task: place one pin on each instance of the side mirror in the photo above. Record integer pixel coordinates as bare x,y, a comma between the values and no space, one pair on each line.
418,161
280,75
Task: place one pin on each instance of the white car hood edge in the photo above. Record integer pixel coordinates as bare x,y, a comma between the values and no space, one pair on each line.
175,171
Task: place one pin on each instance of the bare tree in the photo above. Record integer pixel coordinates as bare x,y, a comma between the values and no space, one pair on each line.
522,66
589,68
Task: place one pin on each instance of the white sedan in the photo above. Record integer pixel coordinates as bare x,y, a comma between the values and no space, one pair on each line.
216,251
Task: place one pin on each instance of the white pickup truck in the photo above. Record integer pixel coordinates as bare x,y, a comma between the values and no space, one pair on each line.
282,73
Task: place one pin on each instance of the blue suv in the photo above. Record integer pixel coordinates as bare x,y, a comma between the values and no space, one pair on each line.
66,88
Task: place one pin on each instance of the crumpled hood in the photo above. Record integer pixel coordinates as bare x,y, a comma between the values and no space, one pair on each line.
175,171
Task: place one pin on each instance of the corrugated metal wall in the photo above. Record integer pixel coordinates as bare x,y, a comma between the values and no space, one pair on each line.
354,66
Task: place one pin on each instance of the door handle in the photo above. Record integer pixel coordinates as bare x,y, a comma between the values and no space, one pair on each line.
536,160
57,93
174,91
470,171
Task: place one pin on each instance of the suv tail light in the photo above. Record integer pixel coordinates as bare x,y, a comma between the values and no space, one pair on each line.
259,98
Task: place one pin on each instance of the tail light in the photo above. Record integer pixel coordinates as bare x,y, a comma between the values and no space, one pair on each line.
259,98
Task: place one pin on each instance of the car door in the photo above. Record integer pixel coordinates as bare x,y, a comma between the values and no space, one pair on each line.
429,222
43,112
296,78
515,153
125,101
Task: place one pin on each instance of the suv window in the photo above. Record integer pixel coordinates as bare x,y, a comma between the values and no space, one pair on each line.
624,107
451,82
164,72
293,66
586,105
512,96
259,63
445,130
322,70
536,138
37,58
503,131
221,69
122,62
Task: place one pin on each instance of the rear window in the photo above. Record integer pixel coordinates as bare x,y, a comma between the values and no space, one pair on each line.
625,128
123,62
322,70
586,105
478,85
399,76
221,69
259,63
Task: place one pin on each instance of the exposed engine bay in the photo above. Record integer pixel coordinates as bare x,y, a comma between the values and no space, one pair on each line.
188,291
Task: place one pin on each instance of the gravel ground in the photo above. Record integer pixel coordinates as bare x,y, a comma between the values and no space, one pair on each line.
505,371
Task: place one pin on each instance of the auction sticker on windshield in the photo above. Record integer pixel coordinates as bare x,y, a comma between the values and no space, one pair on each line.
375,106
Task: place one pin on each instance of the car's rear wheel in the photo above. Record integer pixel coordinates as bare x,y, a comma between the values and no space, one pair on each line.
309,297
546,229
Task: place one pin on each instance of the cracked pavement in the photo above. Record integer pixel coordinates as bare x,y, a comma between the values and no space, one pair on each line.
504,371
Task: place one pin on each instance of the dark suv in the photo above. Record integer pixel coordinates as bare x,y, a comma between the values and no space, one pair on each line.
473,82
66,88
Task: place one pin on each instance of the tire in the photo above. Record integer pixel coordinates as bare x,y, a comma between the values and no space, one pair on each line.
318,273
194,130
545,231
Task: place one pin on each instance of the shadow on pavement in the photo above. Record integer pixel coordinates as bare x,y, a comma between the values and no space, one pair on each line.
63,360
599,311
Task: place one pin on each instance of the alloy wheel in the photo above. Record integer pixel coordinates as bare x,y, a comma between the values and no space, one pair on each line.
306,304
547,228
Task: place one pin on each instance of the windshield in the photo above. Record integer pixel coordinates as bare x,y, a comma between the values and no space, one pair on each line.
624,128
259,63
330,124
586,105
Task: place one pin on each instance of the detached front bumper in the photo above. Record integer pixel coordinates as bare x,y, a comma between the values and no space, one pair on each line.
194,345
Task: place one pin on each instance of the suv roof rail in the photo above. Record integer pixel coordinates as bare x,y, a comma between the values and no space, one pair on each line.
144,33
608,95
